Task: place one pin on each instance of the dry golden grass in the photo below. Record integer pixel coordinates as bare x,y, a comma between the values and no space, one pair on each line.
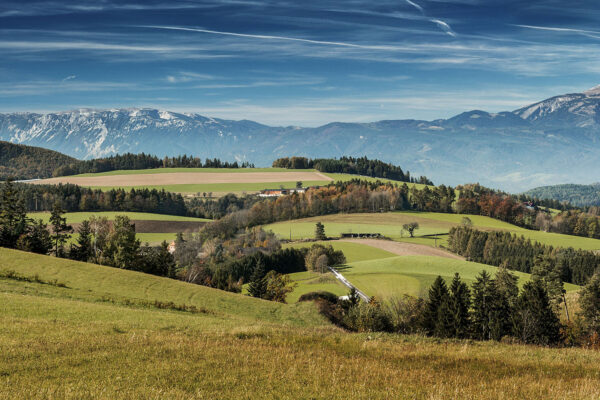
94,340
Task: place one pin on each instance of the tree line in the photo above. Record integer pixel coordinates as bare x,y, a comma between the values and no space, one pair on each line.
99,241
131,161
341,197
73,198
492,308
520,254
528,213
351,165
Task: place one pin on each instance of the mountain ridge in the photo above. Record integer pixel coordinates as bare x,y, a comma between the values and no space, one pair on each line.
550,141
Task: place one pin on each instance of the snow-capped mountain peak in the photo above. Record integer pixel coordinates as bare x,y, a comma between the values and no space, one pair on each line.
595,91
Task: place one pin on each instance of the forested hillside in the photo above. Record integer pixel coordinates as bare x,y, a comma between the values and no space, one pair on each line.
351,165
577,195
27,162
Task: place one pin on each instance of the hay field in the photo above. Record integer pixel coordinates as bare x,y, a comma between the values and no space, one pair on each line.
185,178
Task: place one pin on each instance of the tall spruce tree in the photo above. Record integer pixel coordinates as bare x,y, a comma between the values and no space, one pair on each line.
549,273
506,284
483,302
589,301
258,281
438,294
320,231
60,229
459,305
535,321
13,216
84,249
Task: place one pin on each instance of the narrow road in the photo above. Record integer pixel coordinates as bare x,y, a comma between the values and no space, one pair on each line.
347,283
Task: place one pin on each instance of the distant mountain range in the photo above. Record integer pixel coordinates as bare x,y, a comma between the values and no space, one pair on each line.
577,195
555,140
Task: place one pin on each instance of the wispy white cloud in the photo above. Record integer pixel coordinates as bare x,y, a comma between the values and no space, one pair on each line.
69,78
444,26
63,86
274,37
415,5
186,76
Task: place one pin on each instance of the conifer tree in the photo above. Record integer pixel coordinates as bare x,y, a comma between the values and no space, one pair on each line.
548,272
535,321
320,231
459,305
506,284
589,301
258,281
123,248
483,300
438,293
13,216
84,248
60,229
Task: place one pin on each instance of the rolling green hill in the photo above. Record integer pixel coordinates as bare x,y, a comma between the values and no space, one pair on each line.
390,224
385,275
26,162
113,334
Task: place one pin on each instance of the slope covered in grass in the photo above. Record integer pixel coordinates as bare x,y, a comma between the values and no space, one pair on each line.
390,225
95,280
91,340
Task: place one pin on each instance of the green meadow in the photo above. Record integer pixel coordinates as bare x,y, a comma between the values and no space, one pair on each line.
390,225
82,331
385,275
309,281
413,275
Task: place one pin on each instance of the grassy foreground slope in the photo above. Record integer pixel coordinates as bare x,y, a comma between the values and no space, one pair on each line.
84,341
117,284
390,225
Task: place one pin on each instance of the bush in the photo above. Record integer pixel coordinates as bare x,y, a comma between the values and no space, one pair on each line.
367,317
316,251
313,296
406,314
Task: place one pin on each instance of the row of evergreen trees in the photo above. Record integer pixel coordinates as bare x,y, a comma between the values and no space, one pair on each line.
491,310
99,241
351,165
517,253
74,198
131,161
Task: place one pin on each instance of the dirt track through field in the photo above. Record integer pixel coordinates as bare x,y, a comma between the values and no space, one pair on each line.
405,249
183,178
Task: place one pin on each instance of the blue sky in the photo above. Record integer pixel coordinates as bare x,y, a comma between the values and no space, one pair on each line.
285,62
